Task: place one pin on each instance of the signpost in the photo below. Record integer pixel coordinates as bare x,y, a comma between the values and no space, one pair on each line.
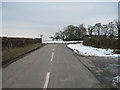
41,37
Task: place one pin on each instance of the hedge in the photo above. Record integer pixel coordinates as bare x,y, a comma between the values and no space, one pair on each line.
101,42
9,42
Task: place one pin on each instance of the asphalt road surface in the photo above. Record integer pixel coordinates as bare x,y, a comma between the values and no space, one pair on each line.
52,66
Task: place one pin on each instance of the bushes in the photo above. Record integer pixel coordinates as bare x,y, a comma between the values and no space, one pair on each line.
18,42
101,42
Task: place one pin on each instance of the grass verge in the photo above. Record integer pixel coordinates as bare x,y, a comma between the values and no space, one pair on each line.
11,53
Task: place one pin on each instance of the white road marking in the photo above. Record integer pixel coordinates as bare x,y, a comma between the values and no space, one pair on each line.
52,56
47,80
53,49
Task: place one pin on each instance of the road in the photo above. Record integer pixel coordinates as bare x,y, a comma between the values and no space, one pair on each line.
52,66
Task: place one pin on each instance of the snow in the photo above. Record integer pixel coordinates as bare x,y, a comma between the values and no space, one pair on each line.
91,51
61,41
52,42
116,81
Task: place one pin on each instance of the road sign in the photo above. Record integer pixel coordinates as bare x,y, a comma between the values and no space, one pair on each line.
41,35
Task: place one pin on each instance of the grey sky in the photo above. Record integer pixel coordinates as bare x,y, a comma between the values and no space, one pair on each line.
31,19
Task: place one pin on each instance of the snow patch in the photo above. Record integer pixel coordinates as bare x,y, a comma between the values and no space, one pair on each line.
116,82
60,41
91,51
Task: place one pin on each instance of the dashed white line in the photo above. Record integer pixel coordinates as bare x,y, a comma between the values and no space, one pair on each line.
52,56
53,49
48,73
47,80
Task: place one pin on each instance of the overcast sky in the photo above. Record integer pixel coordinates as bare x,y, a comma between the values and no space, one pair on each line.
30,19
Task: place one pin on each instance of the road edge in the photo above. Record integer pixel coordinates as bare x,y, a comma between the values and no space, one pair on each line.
91,67
5,64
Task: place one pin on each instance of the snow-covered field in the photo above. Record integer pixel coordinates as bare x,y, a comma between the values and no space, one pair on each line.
60,41
91,51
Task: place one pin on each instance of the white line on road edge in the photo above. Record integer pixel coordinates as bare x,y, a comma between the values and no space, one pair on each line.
52,56
47,80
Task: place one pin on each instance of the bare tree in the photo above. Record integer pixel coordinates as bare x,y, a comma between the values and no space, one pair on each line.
111,28
57,35
90,30
104,30
98,27
117,27
82,30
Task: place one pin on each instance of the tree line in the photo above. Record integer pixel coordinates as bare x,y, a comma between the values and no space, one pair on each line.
72,32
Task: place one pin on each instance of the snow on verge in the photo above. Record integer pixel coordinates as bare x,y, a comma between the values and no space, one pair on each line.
91,51
116,81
